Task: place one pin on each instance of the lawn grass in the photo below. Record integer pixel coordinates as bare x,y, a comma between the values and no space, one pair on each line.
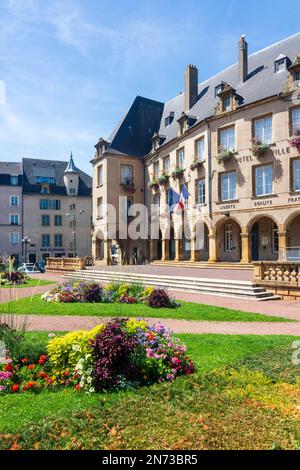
188,310
30,283
235,406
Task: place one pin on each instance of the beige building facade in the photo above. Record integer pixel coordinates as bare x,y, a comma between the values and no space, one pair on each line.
234,143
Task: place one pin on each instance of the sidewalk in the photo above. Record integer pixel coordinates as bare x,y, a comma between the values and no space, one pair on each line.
69,323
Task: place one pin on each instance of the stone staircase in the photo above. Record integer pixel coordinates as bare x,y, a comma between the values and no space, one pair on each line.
227,288
203,264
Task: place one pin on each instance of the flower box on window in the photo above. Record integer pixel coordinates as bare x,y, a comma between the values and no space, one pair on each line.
128,185
154,183
224,154
178,173
163,179
294,141
258,148
196,164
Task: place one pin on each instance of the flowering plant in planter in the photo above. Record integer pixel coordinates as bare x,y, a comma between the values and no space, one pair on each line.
178,172
294,141
196,164
154,183
14,277
258,148
164,178
128,185
224,154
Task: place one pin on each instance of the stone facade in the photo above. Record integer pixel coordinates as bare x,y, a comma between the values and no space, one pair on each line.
234,145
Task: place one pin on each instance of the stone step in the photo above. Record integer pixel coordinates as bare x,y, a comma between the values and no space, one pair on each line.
203,264
221,287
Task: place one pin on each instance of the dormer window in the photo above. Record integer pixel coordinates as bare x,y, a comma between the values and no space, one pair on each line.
169,119
226,103
219,88
280,63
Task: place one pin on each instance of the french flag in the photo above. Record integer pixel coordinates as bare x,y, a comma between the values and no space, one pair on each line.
183,197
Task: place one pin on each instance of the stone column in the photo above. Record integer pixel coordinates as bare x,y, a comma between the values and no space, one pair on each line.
245,238
282,242
212,248
107,252
195,252
152,250
165,250
178,249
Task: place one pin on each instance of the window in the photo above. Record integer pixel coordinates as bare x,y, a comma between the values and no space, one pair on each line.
156,199
14,201
72,191
45,241
45,179
14,180
219,88
263,130
156,169
296,175
166,162
53,204
14,238
228,186
14,219
99,207
180,158
199,144
169,118
227,138
226,103
99,175
280,64
297,76
129,205
45,220
45,189
295,120
58,241
228,238
201,191
57,220
126,174
72,207
264,180
275,239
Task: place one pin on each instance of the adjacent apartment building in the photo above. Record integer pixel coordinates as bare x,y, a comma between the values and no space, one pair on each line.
46,209
11,210
233,141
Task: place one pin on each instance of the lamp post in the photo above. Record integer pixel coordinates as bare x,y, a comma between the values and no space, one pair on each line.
25,243
73,218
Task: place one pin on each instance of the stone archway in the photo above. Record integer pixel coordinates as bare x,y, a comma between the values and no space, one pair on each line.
264,241
228,237
292,244
200,245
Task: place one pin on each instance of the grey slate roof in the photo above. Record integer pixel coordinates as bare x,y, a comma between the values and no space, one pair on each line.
10,168
261,83
33,167
132,136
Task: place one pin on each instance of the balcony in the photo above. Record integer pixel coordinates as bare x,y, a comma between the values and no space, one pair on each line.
128,185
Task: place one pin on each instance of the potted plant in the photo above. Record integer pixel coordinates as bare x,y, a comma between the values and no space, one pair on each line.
294,141
259,148
196,164
154,183
178,172
164,178
223,154
128,185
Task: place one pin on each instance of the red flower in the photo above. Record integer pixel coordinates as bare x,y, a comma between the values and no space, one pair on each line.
15,388
24,360
43,374
42,359
66,373
77,387
8,367
31,366
31,384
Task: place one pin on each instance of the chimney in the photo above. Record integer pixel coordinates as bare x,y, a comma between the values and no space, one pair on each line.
243,59
191,87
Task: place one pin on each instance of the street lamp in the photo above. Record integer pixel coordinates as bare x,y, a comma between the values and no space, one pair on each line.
25,243
73,217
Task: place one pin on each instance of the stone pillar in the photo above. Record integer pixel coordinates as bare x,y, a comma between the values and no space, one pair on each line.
195,252
152,250
178,249
282,242
212,248
245,238
107,252
165,250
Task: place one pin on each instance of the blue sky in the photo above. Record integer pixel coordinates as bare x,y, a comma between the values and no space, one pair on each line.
72,67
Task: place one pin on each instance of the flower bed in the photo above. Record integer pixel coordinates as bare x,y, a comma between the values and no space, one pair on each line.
92,292
123,353
13,278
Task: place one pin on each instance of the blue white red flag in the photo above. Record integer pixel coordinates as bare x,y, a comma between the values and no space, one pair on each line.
183,197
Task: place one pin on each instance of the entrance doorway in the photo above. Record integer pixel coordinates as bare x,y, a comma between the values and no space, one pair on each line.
255,242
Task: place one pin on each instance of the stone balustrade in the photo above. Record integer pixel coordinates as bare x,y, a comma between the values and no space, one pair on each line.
279,277
65,264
